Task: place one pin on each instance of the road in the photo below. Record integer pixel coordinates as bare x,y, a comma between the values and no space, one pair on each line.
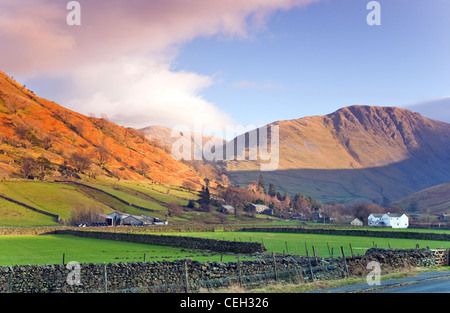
439,285
425,282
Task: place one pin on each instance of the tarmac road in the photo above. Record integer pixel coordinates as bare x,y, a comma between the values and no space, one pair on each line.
425,282
437,285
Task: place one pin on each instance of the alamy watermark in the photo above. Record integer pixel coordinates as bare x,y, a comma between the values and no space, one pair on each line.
74,277
374,16
74,16
374,277
261,145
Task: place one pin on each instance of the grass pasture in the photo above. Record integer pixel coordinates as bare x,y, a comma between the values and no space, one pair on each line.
42,250
297,243
22,250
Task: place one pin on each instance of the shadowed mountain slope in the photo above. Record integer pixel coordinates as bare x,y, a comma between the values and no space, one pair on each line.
356,153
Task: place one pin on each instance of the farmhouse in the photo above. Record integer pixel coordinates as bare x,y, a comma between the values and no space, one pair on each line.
394,220
226,209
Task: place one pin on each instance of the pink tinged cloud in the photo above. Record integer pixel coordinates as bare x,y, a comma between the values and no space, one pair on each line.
136,38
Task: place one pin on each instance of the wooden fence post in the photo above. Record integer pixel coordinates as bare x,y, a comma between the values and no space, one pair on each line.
310,265
345,261
239,271
275,266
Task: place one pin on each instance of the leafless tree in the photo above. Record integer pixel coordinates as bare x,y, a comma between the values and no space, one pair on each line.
103,155
142,168
80,161
29,167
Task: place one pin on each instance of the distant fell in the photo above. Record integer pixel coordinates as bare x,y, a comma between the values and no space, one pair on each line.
358,153
433,200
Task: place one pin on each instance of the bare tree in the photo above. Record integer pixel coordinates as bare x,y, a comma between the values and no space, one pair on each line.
29,167
103,155
190,186
142,168
174,209
81,161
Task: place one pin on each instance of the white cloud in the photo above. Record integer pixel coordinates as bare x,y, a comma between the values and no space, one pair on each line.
141,92
118,62
438,108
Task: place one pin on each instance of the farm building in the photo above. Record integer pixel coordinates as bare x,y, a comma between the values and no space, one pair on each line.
124,219
226,209
356,222
394,220
259,209
349,220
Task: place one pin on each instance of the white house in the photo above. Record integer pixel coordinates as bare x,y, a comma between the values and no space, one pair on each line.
394,220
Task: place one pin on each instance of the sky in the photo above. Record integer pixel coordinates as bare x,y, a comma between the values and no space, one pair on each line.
210,64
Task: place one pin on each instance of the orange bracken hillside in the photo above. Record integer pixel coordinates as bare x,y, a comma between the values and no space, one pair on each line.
34,127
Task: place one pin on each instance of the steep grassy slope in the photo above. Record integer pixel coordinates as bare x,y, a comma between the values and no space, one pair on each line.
34,127
65,199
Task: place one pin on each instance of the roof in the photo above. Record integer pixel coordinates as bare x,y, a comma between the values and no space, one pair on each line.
394,214
228,207
262,206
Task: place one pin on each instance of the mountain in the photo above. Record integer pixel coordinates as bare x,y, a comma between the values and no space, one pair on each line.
167,137
433,200
366,153
60,142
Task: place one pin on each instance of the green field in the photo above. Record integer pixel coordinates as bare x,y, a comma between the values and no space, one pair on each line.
297,243
25,250
62,199
22,250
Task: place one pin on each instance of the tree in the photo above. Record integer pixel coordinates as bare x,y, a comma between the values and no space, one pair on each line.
272,190
81,161
363,210
44,166
174,209
29,167
103,155
205,199
262,188
142,168
190,186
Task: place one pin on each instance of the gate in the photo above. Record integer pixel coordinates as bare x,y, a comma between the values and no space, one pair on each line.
441,257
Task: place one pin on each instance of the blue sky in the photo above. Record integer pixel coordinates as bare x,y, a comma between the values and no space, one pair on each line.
314,60
253,62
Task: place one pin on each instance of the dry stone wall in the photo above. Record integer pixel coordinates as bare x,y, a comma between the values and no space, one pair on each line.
173,241
171,276
353,232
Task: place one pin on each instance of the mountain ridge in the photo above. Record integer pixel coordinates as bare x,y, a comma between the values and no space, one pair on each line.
395,150
33,127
